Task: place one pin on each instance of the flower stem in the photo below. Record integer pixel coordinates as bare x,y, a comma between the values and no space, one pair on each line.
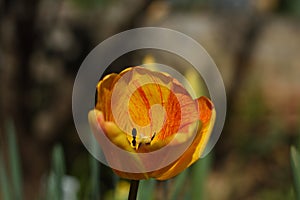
134,186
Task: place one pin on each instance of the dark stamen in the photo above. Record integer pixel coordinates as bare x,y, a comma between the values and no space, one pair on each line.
133,142
153,136
151,139
133,137
133,132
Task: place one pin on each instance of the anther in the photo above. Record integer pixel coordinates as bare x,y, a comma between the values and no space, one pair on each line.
153,136
148,143
133,142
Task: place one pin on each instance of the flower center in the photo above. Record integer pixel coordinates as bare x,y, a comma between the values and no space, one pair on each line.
136,141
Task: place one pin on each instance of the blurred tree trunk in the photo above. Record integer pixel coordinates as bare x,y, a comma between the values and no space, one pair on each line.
18,38
22,35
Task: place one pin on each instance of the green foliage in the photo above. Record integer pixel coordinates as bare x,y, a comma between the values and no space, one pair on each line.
178,185
191,183
5,188
58,171
95,175
276,194
291,7
295,163
11,184
199,173
146,189
15,165
54,187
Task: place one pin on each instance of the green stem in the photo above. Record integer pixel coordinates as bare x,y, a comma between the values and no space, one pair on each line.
134,186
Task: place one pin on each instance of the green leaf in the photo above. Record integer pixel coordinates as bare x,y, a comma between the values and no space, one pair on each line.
178,184
4,184
14,162
51,188
146,189
95,174
295,163
54,190
199,172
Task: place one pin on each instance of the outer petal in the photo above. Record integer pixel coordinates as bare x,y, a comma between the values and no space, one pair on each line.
104,91
192,154
117,137
111,131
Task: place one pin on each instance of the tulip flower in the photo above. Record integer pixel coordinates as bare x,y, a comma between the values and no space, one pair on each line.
142,111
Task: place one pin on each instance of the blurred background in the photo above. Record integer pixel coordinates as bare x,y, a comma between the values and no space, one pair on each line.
255,44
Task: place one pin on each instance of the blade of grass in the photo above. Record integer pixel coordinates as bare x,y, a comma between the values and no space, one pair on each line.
178,185
146,191
14,161
55,191
295,163
51,193
199,172
4,184
95,173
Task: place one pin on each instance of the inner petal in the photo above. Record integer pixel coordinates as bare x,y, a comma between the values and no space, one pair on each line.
152,103
158,118
154,108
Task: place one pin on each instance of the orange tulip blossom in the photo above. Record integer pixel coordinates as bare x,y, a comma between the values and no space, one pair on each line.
142,111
